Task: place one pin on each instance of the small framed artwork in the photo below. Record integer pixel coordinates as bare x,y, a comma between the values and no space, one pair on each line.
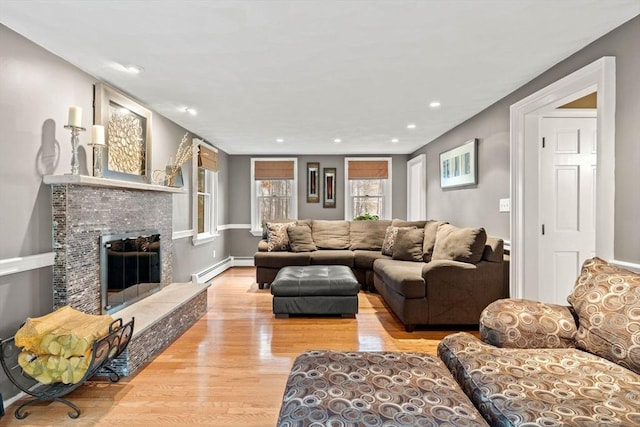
128,135
313,182
329,177
459,166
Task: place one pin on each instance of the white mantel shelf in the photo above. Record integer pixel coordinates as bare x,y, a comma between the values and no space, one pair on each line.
93,181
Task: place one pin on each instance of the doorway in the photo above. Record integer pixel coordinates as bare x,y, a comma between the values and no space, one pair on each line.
598,77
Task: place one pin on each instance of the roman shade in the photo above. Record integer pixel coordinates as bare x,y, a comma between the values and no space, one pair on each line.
207,159
278,169
368,169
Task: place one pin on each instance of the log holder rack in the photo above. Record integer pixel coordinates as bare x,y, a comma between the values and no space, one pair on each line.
103,352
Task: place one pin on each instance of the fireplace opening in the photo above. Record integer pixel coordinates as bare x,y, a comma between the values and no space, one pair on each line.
130,268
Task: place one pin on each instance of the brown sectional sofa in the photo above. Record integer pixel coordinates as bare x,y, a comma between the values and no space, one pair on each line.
546,364
429,273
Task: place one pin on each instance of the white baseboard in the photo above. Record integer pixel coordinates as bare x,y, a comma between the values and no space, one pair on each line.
242,262
220,267
212,271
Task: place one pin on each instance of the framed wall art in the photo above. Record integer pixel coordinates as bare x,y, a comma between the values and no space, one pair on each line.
458,166
329,178
127,127
313,182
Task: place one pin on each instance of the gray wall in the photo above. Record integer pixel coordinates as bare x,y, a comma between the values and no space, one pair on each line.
243,244
36,88
479,205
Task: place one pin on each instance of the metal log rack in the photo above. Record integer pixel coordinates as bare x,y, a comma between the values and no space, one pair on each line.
103,352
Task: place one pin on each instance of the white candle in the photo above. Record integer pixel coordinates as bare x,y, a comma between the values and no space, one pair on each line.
97,135
75,116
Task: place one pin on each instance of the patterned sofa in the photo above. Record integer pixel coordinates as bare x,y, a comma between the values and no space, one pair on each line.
546,364
427,272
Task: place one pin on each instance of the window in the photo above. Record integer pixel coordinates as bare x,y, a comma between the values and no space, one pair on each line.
204,186
274,190
368,187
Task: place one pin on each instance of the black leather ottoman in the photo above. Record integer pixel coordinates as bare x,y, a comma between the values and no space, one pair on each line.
315,289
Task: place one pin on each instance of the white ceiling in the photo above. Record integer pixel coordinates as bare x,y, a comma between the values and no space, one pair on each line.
316,70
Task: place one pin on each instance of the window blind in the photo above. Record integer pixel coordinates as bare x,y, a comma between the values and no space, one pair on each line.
368,169
208,159
273,170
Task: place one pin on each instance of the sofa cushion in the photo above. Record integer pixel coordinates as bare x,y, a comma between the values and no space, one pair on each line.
277,237
367,235
390,239
523,323
606,299
542,387
403,277
332,257
430,231
459,244
330,234
408,246
300,238
365,259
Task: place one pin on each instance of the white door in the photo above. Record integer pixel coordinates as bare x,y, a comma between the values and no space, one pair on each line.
567,201
417,188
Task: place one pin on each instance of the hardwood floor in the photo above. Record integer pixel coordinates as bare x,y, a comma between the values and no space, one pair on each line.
231,367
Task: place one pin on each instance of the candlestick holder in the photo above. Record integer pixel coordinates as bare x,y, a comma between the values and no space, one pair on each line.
98,152
75,132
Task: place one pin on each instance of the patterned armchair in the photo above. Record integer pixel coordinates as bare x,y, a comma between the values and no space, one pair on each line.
547,364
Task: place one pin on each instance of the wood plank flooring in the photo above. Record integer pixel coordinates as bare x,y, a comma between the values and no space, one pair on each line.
231,367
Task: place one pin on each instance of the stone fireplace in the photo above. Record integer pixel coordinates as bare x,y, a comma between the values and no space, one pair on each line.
85,209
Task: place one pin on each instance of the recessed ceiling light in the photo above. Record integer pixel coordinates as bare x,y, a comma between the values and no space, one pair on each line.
434,104
411,126
189,110
279,140
394,140
337,140
134,69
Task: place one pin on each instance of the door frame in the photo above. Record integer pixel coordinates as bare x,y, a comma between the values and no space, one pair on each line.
422,161
598,76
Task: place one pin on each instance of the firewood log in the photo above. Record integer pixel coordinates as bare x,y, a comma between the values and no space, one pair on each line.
49,369
66,332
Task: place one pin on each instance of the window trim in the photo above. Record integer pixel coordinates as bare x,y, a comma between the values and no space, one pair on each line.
213,233
256,229
388,194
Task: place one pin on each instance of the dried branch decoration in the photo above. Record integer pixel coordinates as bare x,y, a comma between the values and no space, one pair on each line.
184,153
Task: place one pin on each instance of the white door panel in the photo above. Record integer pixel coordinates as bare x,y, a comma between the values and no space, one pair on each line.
566,204
417,188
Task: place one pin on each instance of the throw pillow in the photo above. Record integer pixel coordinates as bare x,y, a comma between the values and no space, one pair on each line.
408,246
390,239
459,244
277,237
430,231
606,299
300,238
